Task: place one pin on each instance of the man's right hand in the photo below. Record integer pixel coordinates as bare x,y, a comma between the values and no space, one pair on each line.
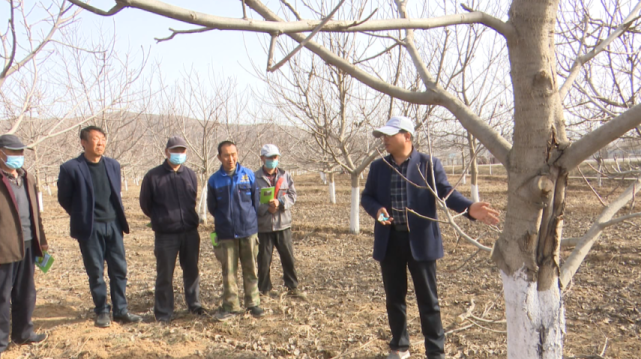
384,212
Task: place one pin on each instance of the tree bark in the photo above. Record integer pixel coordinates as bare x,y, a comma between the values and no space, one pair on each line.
527,252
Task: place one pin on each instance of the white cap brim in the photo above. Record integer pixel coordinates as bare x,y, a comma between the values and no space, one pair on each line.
386,130
271,154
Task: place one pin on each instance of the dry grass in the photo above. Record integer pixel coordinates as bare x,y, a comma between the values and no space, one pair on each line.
345,315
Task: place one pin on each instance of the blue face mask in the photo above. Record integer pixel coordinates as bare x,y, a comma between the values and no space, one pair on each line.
271,164
177,158
14,162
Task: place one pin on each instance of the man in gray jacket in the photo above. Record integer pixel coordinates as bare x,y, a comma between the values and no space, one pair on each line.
275,221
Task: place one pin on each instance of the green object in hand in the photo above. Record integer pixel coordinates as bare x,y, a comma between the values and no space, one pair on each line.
148,225
214,239
266,194
44,262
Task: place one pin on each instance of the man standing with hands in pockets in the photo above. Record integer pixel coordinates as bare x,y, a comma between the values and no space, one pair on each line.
403,240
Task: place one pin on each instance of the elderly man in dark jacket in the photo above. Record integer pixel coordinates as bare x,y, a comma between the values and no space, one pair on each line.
168,197
89,190
405,241
23,239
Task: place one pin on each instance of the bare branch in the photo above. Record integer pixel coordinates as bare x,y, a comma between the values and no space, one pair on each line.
578,63
113,11
176,32
225,23
572,263
307,39
582,149
14,41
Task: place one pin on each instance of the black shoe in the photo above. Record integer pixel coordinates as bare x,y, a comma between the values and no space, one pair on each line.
128,318
256,311
198,311
103,320
163,321
222,315
34,339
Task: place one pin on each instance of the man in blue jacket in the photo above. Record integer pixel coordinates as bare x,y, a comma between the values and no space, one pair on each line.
89,191
403,240
230,199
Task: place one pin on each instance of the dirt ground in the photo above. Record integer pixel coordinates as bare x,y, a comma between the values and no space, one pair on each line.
345,315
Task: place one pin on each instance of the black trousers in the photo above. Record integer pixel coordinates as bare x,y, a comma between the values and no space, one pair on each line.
168,246
106,244
17,299
282,240
398,259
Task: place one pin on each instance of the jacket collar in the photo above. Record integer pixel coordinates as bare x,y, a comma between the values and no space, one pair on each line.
166,166
224,173
279,172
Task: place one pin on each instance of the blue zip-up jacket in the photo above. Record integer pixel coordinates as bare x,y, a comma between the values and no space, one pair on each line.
231,201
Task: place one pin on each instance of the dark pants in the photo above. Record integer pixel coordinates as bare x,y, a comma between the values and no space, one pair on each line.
106,244
168,246
394,268
282,240
18,299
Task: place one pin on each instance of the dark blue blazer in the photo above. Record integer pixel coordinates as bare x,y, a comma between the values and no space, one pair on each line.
75,195
425,235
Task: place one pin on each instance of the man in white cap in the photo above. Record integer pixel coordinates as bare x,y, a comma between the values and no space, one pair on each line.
403,240
275,221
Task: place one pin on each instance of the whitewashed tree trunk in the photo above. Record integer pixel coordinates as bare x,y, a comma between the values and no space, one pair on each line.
354,217
323,177
490,168
474,169
49,190
599,175
202,205
41,204
535,319
332,189
126,185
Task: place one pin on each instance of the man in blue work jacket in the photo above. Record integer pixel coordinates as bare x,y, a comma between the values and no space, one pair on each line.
403,240
230,199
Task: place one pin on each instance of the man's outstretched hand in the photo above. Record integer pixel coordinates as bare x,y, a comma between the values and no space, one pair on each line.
482,211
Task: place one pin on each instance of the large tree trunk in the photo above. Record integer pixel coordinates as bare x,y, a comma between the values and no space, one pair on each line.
474,171
527,251
354,218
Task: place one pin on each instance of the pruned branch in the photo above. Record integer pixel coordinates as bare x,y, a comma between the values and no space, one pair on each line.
177,32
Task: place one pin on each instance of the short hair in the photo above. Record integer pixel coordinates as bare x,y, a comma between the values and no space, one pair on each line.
84,133
404,132
225,143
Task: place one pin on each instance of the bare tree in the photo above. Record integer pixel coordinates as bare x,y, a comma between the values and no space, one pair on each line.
540,156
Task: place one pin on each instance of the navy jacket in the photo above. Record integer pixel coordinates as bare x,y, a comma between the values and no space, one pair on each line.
425,235
231,201
75,195
168,197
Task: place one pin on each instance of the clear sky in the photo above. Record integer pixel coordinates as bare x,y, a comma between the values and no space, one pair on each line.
227,53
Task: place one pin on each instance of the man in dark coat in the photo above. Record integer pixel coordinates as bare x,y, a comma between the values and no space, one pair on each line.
403,240
168,196
23,239
89,190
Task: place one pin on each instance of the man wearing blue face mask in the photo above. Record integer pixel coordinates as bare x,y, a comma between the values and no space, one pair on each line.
22,240
274,223
168,197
